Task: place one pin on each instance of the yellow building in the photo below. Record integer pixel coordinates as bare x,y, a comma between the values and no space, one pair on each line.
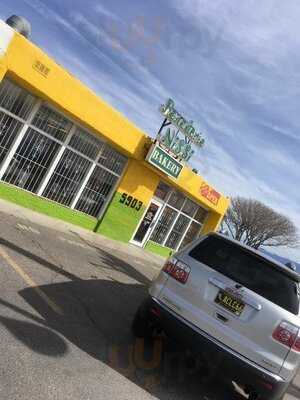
66,152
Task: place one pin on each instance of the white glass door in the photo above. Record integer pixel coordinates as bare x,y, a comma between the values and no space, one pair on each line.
148,221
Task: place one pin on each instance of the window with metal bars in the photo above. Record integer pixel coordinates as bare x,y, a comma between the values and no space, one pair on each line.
96,191
51,122
162,191
9,129
112,159
190,208
176,200
36,153
31,161
177,231
189,213
67,178
163,225
15,99
201,214
85,143
192,233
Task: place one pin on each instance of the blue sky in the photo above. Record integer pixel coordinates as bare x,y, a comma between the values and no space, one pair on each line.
232,67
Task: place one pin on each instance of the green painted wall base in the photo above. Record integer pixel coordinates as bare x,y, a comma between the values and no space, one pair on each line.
43,206
119,221
158,249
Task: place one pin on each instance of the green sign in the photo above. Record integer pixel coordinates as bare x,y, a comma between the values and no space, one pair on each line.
186,127
177,145
163,161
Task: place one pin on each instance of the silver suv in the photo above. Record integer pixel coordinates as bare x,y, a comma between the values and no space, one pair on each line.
219,295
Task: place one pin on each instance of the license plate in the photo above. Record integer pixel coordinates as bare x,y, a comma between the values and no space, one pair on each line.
229,302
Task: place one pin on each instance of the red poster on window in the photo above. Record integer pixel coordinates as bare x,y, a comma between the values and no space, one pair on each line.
209,193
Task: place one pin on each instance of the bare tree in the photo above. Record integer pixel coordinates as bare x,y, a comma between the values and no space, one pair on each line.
256,224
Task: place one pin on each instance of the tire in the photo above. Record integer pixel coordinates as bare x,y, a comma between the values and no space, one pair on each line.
141,327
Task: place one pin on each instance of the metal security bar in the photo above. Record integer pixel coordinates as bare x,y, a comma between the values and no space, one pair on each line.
9,128
162,191
31,161
67,177
180,221
176,200
190,208
112,159
44,152
16,100
191,234
51,122
97,190
201,214
177,232
85,143
163,225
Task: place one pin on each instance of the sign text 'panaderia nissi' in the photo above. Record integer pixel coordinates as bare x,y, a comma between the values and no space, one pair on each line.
186,127
174,141
179,139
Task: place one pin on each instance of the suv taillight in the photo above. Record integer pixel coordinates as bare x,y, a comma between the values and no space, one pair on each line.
287,334
177,270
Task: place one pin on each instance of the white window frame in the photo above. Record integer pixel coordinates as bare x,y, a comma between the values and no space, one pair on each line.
19,136
27,124
148,233
179,212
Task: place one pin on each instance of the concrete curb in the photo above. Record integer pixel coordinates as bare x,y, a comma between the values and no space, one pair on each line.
95,239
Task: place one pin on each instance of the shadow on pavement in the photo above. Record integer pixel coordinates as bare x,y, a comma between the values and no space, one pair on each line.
97,318
108,261
115,263
44,263
37,338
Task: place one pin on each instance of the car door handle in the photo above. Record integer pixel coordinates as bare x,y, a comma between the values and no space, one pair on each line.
221,285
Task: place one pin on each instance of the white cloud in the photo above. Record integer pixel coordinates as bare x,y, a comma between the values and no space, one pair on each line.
101,9
276,156
121,98
116,95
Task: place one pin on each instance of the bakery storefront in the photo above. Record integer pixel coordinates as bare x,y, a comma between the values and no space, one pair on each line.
62,148
172,220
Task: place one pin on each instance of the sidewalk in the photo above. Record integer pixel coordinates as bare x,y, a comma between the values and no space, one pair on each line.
65,227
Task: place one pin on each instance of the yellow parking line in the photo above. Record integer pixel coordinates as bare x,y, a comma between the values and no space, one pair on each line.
30,282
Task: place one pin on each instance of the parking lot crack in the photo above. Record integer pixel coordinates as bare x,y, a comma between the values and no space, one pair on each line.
87,311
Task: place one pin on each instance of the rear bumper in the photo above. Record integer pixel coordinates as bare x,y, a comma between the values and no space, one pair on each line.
221,359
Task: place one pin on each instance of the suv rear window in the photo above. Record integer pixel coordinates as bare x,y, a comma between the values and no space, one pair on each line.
248,270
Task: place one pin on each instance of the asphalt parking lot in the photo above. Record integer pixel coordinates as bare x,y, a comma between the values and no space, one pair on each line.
66,305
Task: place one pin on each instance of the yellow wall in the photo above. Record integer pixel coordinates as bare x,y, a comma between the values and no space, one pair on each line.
189,183
3,67
139,182
71,96
212,223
